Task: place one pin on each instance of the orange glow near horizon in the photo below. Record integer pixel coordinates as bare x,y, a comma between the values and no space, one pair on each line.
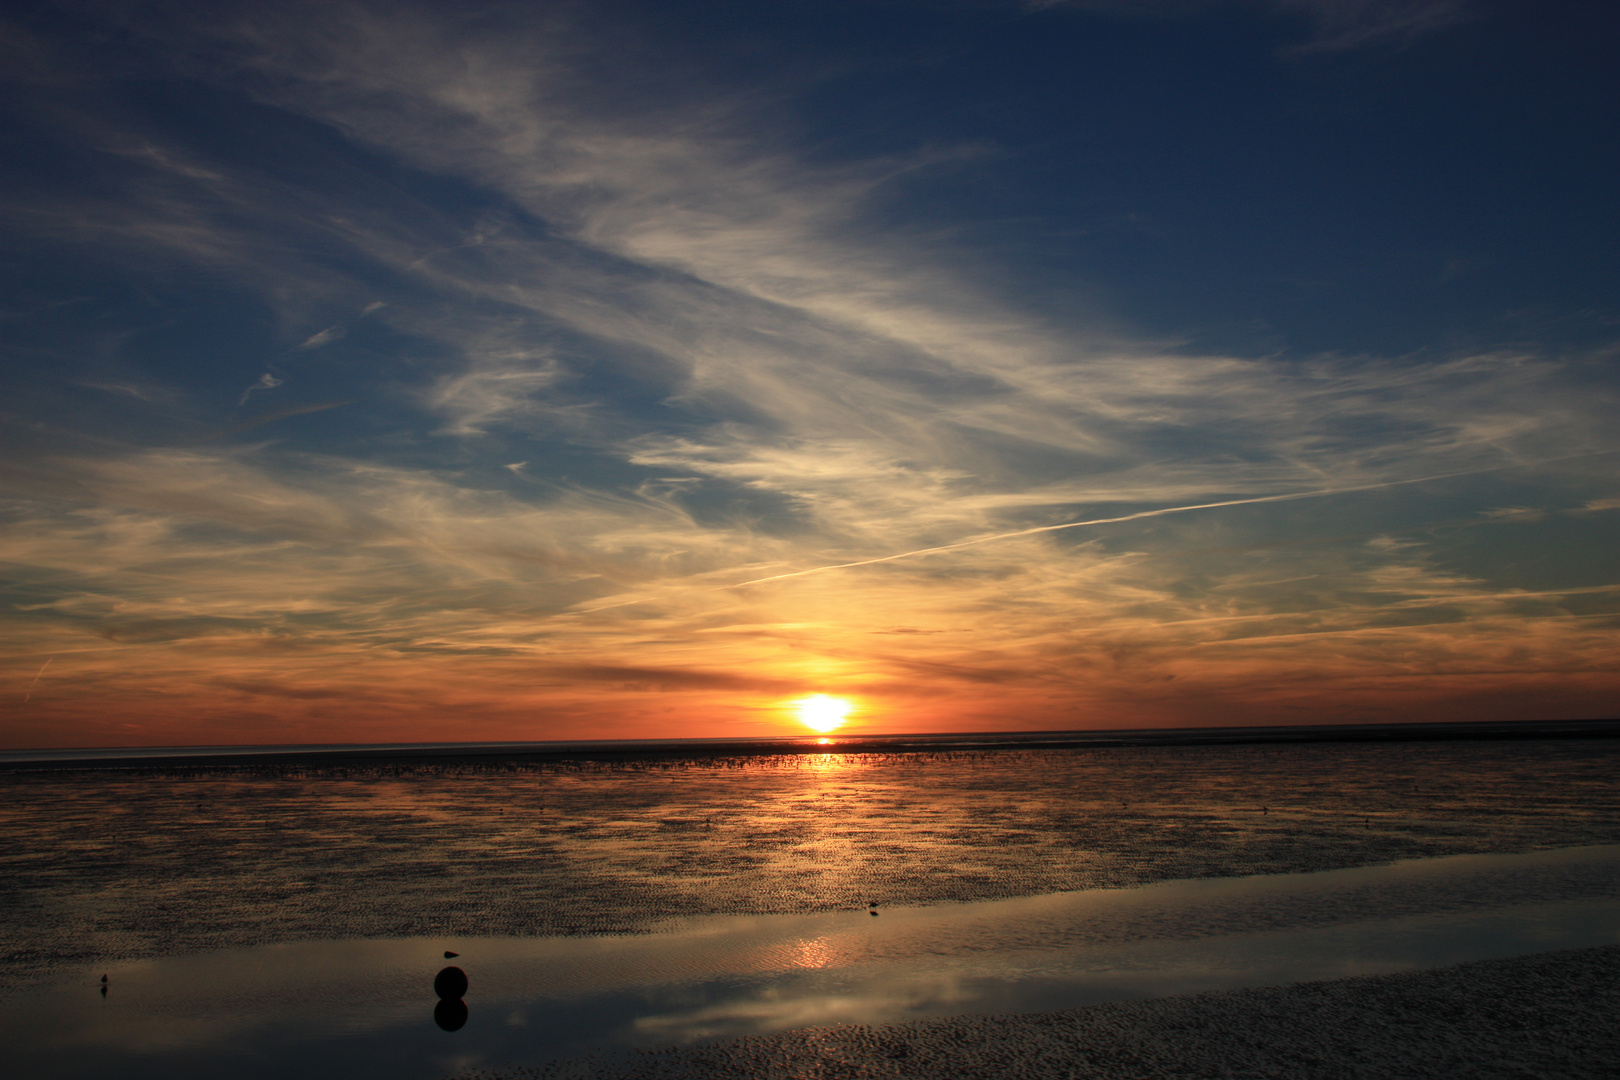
821,712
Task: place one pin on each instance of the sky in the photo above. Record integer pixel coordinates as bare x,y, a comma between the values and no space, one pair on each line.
419,372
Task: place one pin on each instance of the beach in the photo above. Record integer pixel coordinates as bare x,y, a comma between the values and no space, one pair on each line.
143,864
1542,1016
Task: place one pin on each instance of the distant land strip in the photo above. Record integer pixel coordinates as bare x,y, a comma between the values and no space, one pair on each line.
169,759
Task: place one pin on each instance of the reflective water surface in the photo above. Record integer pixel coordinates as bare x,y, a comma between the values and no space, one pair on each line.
362,1008
131,863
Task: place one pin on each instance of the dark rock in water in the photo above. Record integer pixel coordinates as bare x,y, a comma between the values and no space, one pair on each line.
873,914
450,1014
448,954
450,983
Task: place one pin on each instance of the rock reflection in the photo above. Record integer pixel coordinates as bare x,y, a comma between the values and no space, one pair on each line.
450,1014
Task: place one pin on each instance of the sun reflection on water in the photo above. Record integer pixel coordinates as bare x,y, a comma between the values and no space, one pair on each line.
812,953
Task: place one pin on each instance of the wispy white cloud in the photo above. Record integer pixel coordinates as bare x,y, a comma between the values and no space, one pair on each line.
856,376
504,386
1355,24
266,381
323,337
1337,25
1514,513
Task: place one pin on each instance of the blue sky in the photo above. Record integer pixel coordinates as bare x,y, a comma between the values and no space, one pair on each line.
431,371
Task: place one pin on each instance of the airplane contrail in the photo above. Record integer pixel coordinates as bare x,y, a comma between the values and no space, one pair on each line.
1163,510
35,683
1316,493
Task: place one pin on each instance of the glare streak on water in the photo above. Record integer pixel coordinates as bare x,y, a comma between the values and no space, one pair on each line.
365,1008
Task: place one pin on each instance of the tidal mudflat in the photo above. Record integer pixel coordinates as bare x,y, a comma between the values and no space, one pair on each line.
1538,1017
119,867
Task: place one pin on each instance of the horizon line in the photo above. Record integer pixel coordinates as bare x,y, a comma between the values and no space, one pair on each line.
1051,738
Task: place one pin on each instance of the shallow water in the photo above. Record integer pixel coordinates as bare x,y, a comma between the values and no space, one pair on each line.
365,1008
103,865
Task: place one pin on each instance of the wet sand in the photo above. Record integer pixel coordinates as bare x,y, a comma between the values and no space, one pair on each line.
1552,1015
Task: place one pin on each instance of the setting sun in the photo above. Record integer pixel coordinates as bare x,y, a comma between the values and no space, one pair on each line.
819,712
